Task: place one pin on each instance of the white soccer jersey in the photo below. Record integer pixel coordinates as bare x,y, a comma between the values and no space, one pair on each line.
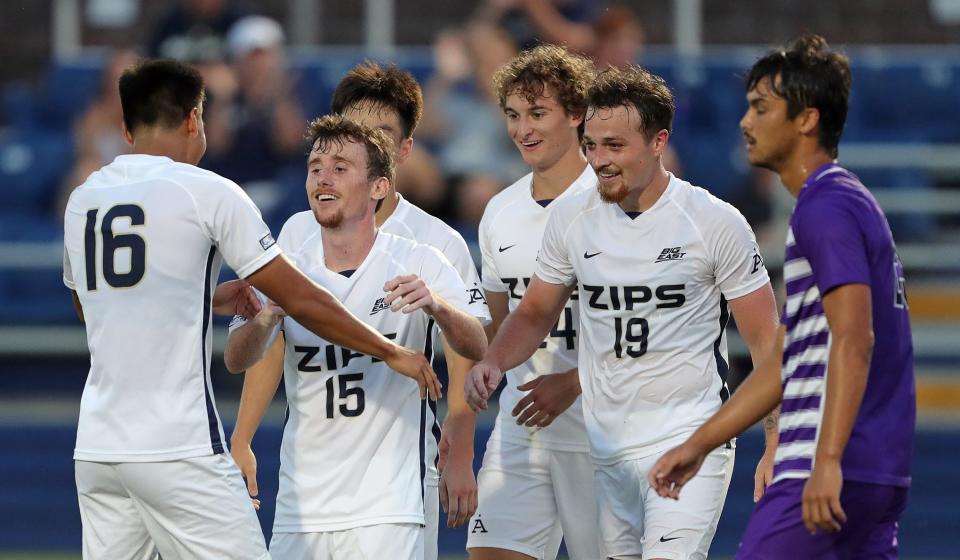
511,232
143,239
653,310
410,222
353,449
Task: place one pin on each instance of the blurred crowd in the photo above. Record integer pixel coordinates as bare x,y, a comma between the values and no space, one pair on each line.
255,114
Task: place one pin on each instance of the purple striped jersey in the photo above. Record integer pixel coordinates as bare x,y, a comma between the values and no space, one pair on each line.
838,235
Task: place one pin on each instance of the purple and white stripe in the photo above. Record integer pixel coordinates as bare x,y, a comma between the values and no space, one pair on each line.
806,348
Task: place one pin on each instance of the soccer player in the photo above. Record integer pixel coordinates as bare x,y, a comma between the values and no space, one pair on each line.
390,99
658,264
352,458
536,482
143,242
842,369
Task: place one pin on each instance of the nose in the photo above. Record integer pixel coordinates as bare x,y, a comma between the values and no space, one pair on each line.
598,157
745,121
523,126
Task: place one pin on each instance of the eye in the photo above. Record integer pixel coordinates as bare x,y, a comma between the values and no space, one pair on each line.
340,169
615,146
538,114
589,146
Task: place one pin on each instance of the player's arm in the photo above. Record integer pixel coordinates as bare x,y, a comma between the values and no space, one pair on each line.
247,343
235,297
518,337
756,316
259,386
756,397
77,305
462,331
849,315
317,310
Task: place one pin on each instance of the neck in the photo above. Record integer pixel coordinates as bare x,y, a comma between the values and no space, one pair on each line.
153,143
389,205
799,167
346,246
642,200
551,182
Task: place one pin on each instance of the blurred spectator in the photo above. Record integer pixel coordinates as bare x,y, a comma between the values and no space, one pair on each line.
462,118
757,201
562,22
255,128
619,38
195,31
97,133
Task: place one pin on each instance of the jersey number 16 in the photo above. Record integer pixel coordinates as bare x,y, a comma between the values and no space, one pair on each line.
111,243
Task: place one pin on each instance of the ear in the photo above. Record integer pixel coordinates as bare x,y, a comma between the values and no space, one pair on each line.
126,133
808,120
660,141
403,151
576,119
380,188
194,122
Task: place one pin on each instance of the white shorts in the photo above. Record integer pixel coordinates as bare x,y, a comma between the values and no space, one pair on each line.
431,517
635,521
530,498
402,541
189,508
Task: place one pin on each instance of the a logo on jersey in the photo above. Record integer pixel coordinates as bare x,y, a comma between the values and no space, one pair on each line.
587,255
502,248
476,294
267,241
379,306
757,262
670,254
478,527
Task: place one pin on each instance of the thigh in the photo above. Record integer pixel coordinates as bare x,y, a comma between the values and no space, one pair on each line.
403,541
873,516
300,546
516,508
776,530
431,517
197,508
685,528
620,512
112,524
573,490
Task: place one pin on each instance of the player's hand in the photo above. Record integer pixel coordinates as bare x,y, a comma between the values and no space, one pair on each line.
458,484
245,459
481,383
415,366
270,315
675,469
236,297
764,473
549,396
821,497
409,293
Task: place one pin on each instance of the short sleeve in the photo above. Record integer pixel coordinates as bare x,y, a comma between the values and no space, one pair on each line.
553,261
490,274
737,264
829,235
67,270
458,254
234,223
445,281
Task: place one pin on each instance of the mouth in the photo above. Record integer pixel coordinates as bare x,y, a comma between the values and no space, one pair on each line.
750,140
530,144
607,175
324,197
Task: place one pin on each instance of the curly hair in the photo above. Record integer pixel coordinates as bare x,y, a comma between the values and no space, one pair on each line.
391,87
533,70
639,88
330,130
807,74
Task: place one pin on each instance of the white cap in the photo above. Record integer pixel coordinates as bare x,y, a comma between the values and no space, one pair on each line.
252,33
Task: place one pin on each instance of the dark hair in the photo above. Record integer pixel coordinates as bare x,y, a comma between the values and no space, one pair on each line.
332,130
534,69
389,87
159,92
810,76
638,88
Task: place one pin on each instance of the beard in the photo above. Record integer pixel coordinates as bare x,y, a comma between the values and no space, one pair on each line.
613,194
331,221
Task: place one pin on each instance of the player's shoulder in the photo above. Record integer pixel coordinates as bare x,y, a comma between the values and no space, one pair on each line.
575,204
508,197
406,250
191,177
703,208
297,230
425,228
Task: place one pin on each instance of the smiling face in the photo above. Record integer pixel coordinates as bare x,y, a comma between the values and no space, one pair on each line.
338,185
623,158
770,135
541,129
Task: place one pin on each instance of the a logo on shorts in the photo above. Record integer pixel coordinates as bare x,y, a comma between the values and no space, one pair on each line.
670,254
379,306
478,527
267,241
